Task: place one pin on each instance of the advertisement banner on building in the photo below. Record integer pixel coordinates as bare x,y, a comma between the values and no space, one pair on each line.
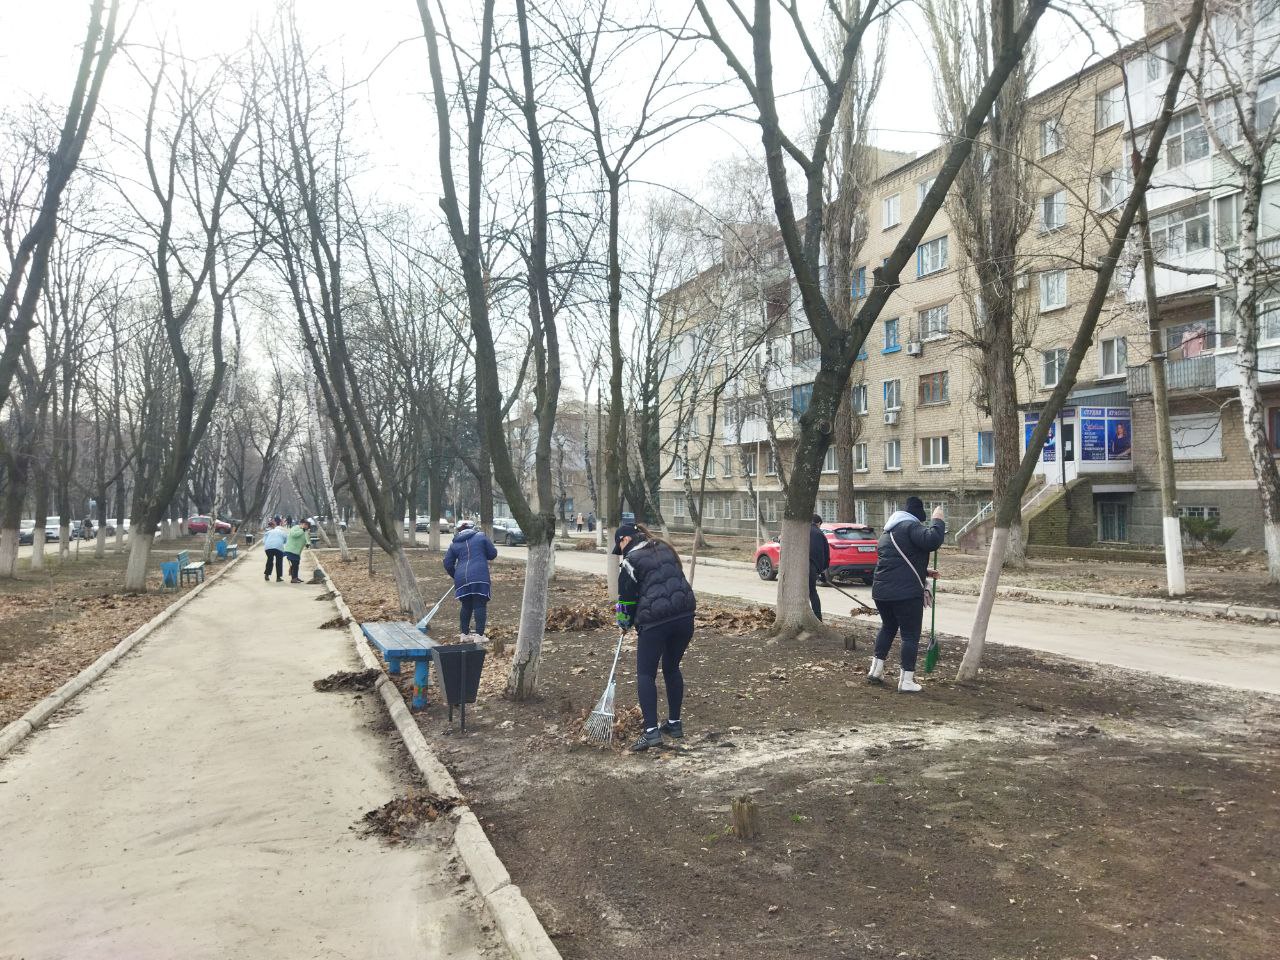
1050,452
1119,434
1093,434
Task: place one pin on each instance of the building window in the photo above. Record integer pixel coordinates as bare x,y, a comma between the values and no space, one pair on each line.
1108,108
986,448
859,511
1226,120
749,464
860,457
931,257
935,452
893,454
1053,211
1268,322
727,468
934,322
1268,98
859,283
1161,58
678,468
890,508
801,394
1273,428
922,190
711,468
933,388
829,461
860,398
748,508
1054,362
1053,290
827,510
1115,356
679,505
771,510
1113,188
891,210
772,470
1050,136
709,509
1196,437
1181,231
1113,521
804,346
1200,513
891,343
1186,142
893,394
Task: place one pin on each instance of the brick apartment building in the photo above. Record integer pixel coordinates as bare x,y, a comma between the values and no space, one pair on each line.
920,424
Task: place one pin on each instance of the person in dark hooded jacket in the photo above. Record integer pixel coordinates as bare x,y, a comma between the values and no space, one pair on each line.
819,560
655,597
467,561
899,584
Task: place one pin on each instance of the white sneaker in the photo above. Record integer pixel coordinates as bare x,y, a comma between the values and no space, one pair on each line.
875,673
907,683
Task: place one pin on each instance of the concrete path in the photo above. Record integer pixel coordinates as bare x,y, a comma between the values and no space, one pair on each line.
1235,654
197,801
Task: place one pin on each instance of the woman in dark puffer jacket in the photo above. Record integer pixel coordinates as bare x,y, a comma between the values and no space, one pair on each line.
654,597
898,587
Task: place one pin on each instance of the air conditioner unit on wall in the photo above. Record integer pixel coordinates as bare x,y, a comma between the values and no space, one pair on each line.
914,348
891,418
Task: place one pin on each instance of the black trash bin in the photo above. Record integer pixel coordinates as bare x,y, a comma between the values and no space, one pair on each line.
458,667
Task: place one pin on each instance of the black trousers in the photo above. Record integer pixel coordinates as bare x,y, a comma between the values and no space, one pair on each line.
294,560
900,616
476,606
275,557
813,596
664,644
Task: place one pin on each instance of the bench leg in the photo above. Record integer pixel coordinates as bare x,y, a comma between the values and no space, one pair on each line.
393,667
420,684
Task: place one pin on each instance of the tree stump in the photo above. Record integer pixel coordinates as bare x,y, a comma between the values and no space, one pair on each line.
746,820
851,639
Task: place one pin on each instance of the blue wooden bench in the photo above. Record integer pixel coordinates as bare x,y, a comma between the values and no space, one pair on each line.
403,641
226,550
188,570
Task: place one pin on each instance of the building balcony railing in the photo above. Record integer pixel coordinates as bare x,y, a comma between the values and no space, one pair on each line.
1193,373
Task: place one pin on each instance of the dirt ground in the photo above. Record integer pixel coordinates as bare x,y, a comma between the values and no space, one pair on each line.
55,622
1053,810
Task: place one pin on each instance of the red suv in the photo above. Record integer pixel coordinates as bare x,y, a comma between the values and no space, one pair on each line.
853,553
201,525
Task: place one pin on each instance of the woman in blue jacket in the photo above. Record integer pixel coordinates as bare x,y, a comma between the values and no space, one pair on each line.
467,561
898,587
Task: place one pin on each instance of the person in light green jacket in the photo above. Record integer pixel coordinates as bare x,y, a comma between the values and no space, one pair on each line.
298,538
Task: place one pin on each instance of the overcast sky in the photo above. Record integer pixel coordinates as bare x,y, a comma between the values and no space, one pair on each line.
381,40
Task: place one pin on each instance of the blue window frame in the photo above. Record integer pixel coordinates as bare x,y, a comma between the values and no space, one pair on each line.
859,283
801,394
986,448
891,342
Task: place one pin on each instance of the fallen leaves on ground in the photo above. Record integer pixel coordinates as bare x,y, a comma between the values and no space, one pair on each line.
335,623
348,680
578,616
402,818
737,622
628,724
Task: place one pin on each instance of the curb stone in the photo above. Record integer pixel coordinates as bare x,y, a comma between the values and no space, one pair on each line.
521,930
17,731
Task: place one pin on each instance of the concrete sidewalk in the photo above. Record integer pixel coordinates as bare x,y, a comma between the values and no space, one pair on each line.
1242,655
197,802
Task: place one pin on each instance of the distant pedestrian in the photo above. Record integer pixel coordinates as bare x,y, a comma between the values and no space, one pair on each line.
273,543
591,522
298,538
655,597
898,587
467,561
819,560
581,520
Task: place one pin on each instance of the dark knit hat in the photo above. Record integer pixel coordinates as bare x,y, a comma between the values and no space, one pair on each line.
915,507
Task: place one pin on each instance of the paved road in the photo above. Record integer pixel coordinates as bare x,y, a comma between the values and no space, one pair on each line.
1236,654
196,802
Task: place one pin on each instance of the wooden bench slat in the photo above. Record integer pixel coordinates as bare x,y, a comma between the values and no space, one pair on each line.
398,640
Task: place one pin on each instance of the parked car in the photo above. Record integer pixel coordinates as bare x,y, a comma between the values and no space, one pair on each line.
444,524
422,525
853,553
506,530
51,533
200,524
26,532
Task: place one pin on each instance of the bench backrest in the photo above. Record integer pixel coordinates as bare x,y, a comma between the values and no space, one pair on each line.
183,557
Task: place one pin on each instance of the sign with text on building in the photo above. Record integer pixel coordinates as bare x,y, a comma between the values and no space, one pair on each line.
1106,434
1050,452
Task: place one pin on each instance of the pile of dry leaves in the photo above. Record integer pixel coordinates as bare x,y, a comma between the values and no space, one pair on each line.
345,680
736,622
628,723
578,616
403,818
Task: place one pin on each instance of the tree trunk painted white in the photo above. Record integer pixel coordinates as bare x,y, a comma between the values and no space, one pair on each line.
1175,571
986,601
1271,540
433,538
551,565
612,562
37,548
135,572
166,529
119,534
794,615
522,682
100,542
9,551
407,583
64,541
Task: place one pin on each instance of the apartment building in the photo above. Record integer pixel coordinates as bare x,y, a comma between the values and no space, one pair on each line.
921,424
